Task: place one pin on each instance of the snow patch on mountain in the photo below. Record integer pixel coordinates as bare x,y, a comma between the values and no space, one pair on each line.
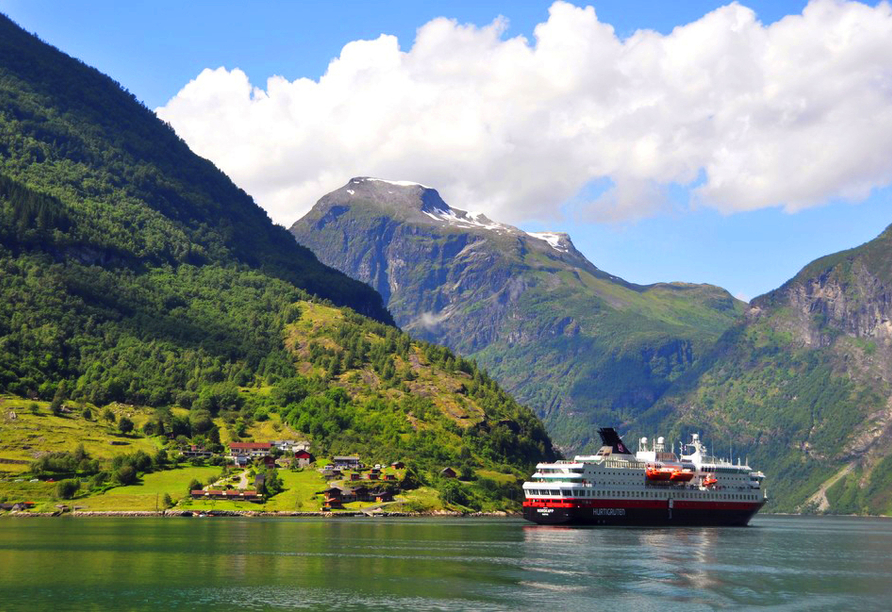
460,218
397,183
555,240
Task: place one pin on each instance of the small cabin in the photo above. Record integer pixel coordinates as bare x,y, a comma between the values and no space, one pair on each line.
382,496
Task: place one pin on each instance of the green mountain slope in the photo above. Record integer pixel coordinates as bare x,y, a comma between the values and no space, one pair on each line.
130,265
581,346
802,386
128,190
133,271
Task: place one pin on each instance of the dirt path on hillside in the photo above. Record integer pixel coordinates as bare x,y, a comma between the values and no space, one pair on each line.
820,498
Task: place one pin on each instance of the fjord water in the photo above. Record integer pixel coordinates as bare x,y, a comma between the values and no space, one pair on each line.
788,563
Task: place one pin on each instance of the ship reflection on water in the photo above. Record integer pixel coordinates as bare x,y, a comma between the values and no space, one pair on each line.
682,564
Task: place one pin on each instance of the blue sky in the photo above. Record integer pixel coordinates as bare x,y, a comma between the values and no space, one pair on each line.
155,49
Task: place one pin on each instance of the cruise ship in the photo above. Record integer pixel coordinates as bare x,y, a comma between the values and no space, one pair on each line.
653,487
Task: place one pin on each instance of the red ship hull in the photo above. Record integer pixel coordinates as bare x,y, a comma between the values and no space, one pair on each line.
640,513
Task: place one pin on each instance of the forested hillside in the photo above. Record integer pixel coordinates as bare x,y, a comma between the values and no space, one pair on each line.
126,189
133,271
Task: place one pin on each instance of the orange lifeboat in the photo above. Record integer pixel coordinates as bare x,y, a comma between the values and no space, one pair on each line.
709,480
681,476
658,473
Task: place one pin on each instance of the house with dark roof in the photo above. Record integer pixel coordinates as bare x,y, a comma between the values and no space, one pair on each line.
197,451
333,497
348,462
233,495
383,495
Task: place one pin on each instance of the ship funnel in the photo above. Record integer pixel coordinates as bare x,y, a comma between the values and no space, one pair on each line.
611,439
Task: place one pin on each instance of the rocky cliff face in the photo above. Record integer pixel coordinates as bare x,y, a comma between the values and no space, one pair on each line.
578,344
805,382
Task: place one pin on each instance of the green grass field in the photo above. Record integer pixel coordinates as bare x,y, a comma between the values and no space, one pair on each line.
299,495
300,491
28,434
145,495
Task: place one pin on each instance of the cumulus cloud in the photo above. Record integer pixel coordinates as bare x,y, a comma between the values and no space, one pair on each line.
747,115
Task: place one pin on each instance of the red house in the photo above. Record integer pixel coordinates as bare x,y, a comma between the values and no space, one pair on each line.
304,458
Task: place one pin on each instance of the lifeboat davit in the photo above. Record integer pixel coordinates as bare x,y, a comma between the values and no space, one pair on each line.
681,476
658,473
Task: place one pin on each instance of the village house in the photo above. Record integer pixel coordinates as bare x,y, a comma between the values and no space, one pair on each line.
291,446
234,495
329,471
382,496
448,473
249,449
334,497
348,462
197,451
303,458
398,465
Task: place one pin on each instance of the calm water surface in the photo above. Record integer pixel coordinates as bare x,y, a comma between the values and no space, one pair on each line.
430,564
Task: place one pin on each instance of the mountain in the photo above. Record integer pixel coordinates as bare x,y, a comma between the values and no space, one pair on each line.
75,135
803,384
581,346
133,271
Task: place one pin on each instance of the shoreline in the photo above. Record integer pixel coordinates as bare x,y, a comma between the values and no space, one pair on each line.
256,514
319,514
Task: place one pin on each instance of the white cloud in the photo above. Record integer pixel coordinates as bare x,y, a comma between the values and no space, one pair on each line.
790,114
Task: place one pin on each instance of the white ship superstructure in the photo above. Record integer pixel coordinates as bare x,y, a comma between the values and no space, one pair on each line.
652,487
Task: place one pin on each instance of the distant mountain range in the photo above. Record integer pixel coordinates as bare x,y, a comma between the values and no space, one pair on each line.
581,346
798,381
